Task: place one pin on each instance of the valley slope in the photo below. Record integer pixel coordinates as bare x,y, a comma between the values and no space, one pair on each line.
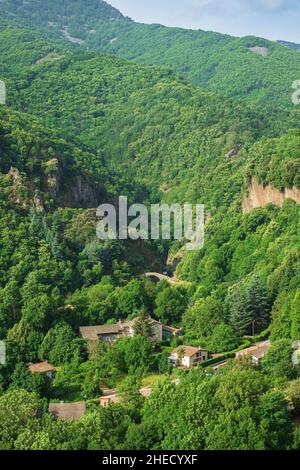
81,127
250,68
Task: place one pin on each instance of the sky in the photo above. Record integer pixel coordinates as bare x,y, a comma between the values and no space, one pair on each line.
272,19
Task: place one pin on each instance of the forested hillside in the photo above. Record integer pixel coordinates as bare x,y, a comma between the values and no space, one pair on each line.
80,128
145,120
45,195
78,16
249,68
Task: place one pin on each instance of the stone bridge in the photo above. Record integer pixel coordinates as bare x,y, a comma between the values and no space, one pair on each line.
164,277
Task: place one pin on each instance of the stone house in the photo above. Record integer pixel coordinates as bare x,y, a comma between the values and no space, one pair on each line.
110,333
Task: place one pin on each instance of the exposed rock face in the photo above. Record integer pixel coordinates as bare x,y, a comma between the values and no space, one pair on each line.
263,51
174,260
53,178
70,38
233,152
38,203
76,192
82,193
14,174
259,196
17,191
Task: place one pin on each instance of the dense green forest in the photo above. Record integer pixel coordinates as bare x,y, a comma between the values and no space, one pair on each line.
72,13
168,131
80,128
249,68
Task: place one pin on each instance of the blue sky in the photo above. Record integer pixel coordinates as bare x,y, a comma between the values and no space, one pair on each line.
272,19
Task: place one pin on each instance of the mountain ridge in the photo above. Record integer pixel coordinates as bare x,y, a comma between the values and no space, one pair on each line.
290,45
78,120
207,59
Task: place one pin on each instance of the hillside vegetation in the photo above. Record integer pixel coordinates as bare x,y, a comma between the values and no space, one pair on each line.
78,16
80,128
250,68
146,121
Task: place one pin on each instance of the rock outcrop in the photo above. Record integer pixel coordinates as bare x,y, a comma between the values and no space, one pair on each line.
259,195
263,51
65,188
17,190
76,190
52,181
234,152
81,192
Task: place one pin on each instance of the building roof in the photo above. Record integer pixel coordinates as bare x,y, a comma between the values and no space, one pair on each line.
92,332
67,411
171,329
127,324
131,323
257,351
109,399
260,352
41,367
189,351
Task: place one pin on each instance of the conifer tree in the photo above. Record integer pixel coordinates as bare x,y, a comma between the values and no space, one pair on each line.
257,304
142,325
36,224
240,319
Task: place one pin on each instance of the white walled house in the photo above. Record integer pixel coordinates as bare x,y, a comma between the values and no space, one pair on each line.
188,356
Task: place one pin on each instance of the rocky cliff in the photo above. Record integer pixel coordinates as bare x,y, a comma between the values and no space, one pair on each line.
259,195
74,190
81,192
